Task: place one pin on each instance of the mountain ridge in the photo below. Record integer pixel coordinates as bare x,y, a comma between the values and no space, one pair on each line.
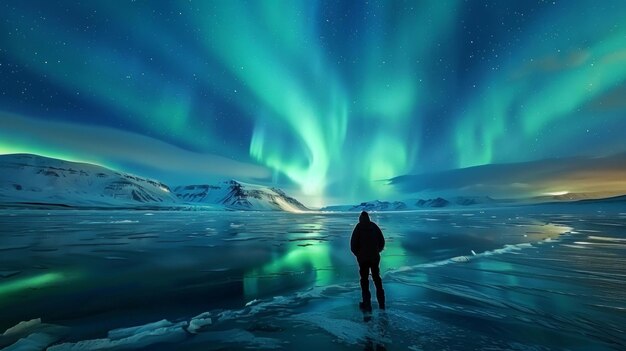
237,195
34,181
473,202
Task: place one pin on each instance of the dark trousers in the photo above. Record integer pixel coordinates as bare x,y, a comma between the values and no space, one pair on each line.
365,266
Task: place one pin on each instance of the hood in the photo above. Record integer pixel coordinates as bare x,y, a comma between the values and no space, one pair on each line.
364,217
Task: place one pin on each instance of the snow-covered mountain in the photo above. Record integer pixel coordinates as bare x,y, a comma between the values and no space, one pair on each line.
27,179
30,180
239,196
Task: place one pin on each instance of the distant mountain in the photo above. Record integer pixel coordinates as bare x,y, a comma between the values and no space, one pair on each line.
478,201
608,200
475,200
30,180
370,206
35,181
438,202
236,195
569,197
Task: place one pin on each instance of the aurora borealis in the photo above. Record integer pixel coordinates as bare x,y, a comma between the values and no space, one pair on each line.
328,99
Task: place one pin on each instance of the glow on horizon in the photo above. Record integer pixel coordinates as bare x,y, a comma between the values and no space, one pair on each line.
557,193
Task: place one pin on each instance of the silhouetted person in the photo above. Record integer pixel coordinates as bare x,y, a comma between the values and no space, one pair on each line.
366,244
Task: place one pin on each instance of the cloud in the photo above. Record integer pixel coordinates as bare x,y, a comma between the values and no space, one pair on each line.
573,174
552,63
612,101
108,147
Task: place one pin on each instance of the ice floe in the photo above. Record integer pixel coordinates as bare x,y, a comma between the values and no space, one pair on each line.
33,342
22,327
162,331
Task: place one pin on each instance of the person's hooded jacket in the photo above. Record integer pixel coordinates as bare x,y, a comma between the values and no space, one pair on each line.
367,239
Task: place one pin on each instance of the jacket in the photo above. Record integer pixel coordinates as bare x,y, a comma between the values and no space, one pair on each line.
367,239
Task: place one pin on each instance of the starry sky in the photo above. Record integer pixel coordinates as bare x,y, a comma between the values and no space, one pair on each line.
328,99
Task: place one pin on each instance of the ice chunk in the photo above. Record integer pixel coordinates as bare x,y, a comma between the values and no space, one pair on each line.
134,337
23,327
33,342
128,332
199,321
252,302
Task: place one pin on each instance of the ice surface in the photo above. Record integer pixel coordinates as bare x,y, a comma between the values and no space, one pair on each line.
238,337
351,332
493,280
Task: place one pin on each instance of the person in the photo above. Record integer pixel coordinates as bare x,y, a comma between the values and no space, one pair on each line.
366,244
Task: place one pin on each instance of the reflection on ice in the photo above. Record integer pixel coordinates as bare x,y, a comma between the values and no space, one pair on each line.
313,261
17,285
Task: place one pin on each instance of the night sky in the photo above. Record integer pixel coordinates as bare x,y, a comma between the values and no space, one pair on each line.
327,99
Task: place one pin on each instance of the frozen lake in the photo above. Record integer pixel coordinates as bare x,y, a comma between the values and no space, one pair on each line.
536,280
